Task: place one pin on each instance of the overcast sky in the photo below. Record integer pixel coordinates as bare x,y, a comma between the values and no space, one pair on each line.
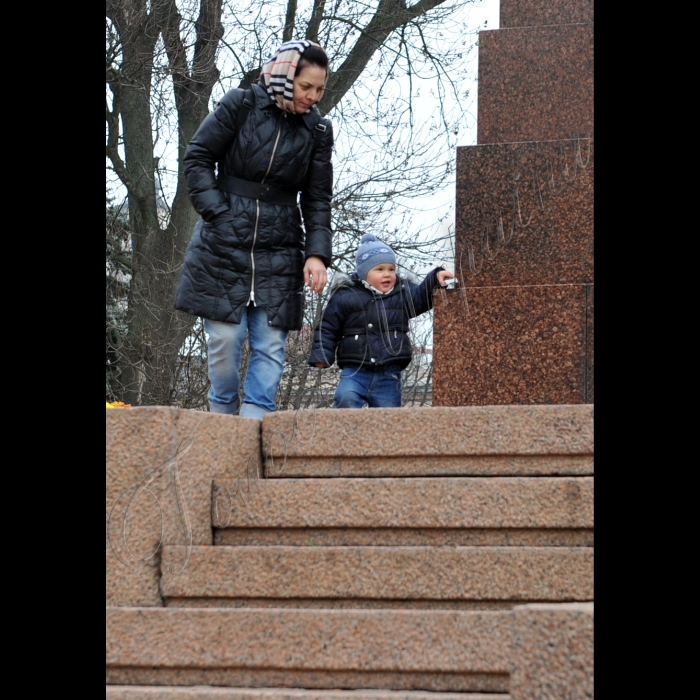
484,16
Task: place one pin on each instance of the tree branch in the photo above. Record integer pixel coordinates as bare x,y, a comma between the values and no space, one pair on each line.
113,137
209,33
389,16
169,20
315,21
122,259
250,77
289,21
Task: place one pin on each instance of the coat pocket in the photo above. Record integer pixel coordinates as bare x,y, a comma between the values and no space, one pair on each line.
217,234
353,347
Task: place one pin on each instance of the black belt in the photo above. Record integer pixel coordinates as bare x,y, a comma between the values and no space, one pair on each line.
245,188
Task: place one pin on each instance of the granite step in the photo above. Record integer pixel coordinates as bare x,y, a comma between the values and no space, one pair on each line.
125,692
436,441
357,577
516,511
403,537
429,650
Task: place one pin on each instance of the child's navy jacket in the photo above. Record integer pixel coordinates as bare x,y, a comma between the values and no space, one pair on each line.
359,328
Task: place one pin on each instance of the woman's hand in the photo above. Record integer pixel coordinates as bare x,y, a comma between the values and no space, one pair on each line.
315,275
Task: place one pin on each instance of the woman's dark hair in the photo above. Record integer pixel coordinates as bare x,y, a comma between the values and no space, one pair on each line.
313,55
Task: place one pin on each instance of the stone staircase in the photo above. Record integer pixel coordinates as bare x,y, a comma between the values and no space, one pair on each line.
391,553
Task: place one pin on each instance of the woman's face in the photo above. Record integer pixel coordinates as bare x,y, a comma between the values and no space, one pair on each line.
309,85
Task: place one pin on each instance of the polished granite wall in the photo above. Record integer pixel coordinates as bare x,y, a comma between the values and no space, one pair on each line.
527,13
512,345
519,327
535,83
525,213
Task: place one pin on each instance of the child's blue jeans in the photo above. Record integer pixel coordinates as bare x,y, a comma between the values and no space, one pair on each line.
378,387
264,366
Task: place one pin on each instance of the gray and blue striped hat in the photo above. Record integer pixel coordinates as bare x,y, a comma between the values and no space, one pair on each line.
372,252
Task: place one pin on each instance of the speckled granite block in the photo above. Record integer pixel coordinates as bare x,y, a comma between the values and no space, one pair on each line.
431,465
589,344
135,581
160,464
460,502
123,692
552,652
322,640
503,187
514,345
535,83
343,603
313,679
404,537
431,433
391,573
528,13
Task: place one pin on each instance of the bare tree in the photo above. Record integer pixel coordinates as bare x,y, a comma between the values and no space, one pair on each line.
161,73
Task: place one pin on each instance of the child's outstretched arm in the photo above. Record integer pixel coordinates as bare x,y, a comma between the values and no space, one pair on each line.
327,334
422,294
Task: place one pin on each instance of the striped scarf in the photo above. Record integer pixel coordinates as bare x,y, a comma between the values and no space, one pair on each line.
278,72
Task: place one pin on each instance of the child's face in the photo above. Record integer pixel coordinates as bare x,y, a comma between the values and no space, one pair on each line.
382,277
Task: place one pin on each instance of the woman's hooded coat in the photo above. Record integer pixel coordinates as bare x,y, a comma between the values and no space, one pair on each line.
252,251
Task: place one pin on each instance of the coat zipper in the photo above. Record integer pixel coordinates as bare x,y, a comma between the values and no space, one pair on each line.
257,212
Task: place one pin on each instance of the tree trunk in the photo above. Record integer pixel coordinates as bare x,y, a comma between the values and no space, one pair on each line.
156,331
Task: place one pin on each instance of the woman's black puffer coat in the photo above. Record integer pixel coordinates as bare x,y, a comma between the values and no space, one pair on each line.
362,329
246,250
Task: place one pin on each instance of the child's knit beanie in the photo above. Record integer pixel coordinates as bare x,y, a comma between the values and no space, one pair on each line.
372,252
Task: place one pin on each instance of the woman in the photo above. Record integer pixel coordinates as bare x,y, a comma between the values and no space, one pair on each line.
250,255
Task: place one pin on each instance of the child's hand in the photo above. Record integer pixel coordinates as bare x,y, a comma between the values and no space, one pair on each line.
444,275
320,365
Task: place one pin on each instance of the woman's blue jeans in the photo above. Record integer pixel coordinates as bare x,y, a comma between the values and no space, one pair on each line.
378,387
264,366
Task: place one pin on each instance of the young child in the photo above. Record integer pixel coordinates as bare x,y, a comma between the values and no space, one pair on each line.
365,327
